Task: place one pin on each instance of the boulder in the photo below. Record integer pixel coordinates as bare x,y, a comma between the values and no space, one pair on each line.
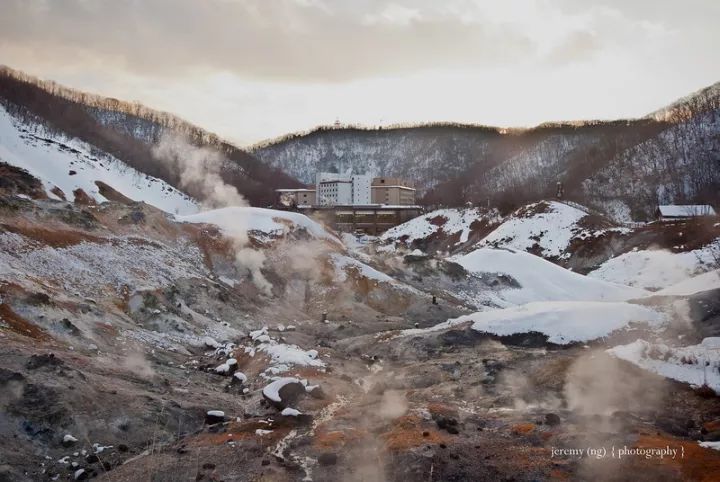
284,392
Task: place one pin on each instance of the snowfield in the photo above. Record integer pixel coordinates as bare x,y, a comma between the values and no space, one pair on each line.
695,365
51,158
698,284
562,322
238,221
656,269
541,280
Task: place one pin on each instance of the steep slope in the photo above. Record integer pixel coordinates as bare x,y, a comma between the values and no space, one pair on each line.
129,132
72,169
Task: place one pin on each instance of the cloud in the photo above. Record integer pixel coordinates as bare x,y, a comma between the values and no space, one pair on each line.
578,46
254,69
260,39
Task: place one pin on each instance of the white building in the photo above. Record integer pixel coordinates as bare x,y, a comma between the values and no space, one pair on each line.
677,212
342,189
361,189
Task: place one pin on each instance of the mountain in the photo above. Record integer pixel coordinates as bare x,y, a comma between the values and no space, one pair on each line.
623,167
126,133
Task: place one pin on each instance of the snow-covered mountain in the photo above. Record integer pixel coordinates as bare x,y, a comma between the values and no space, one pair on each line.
624,167
126,132
428,155
71,169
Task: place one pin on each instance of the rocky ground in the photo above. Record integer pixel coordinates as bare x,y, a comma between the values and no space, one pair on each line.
136,347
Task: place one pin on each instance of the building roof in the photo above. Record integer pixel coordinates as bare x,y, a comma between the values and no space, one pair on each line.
334,181
686,211
381,186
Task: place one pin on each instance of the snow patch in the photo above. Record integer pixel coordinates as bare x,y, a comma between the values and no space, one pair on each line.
540,280
695,364
562,322
656,269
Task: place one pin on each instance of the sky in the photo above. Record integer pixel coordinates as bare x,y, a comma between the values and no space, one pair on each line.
251,70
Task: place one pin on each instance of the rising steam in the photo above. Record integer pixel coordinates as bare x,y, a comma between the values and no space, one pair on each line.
199,169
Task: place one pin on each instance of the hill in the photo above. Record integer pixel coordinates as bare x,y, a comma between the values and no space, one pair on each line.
130,133
623,167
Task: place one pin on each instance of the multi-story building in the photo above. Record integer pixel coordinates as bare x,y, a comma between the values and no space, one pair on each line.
342,189
392,191
355,202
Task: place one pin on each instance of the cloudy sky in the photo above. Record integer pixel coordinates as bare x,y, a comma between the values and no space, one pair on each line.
254,69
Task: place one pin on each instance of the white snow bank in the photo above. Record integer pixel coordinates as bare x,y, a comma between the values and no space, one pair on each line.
290,412
695,364
50,157
562,322
236,221
541,280
704,282
710,445
655,269
456,221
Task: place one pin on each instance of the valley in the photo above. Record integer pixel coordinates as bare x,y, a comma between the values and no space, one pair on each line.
250,344
162,319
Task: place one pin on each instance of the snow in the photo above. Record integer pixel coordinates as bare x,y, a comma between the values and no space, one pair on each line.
50,157
282,356
216,413
655,269
345,265
69,439
342,262
272,391
240,376
704,282
290,412
563,322
551,230
688,210
226,367
456,221
82,268
237,221
695,364
710,445
541,280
